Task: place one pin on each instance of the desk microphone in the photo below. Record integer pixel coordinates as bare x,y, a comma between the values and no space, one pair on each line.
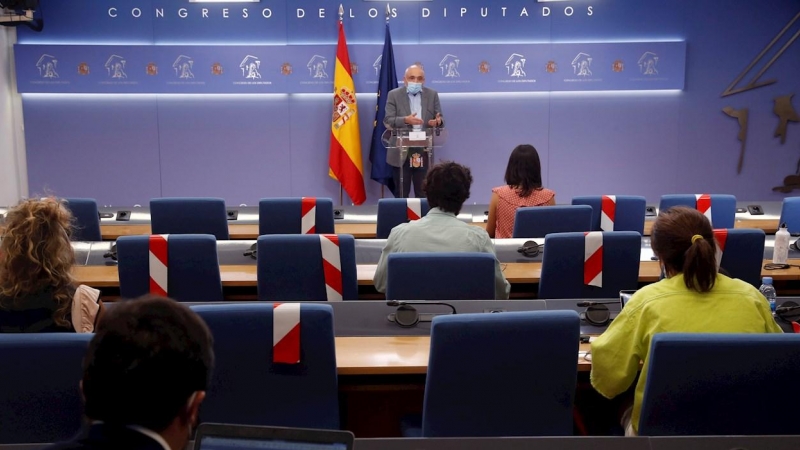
589,303
406,303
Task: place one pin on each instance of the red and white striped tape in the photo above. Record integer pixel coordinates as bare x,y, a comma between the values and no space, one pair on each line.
721,236
608,212
158,262
308,213
286,333
593,259
414,208
704,205
331,266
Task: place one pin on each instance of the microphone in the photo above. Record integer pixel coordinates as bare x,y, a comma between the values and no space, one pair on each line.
589,303
405,303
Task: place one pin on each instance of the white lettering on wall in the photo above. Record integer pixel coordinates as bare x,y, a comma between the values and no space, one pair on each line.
112,12
568,11
204,11
182,13
266,13
463,11
301,13
484,12
159,12
426,12
504,10
322,13
224,13
373,13
524,12
590,11
136,12
245,13
545,11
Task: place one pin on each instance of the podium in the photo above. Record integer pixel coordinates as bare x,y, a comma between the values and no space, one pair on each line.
399,142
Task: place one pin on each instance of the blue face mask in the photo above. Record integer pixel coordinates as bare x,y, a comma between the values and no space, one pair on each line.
414,88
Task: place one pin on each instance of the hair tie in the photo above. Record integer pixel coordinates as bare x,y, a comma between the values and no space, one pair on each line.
696,238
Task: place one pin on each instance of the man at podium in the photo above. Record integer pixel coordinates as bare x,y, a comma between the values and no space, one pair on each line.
412,107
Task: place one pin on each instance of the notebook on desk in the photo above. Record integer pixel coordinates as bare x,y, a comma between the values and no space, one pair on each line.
242,437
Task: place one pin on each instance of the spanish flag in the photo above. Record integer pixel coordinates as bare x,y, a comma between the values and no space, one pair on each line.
345,154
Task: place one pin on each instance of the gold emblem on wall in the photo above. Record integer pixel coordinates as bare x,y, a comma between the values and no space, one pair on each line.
483,67
551,67
216,69
83,69
618,66
741,115
286,69
786,113
152,69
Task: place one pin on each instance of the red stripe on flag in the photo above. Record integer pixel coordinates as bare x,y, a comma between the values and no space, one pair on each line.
341,51
346,172
593,266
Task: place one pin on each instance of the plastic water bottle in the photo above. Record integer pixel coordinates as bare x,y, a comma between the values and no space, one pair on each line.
768,291
780,255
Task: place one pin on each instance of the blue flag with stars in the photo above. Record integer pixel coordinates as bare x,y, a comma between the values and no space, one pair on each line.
381,171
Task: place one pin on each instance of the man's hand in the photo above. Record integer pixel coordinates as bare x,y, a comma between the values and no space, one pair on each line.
437,122
413,120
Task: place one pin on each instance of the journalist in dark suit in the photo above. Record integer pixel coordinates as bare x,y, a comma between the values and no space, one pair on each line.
412,106
145,376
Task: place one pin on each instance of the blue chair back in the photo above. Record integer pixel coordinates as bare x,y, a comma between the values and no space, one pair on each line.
563,260
290,268
440,276
721,384
182,215
39,396
630,211
193,274
86,226
790,214
392,212
509,374
539,221
744,254
248,388
723,207
284,216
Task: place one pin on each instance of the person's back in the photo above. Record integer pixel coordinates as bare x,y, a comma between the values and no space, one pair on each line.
37,290
523,188
694,298
447,187
145,375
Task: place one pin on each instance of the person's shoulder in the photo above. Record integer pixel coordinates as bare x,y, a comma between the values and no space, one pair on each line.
397,90
727,284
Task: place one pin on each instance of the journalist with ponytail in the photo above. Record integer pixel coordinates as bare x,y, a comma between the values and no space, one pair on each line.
694,297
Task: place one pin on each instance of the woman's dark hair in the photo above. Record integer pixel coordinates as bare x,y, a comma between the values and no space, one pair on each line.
524,170
447,186
146,360
674,243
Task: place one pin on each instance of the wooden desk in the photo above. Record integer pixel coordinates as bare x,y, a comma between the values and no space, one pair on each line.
516,273
396,355
249,231
770,226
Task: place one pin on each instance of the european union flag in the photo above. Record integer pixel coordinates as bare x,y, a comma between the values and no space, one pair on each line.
381,171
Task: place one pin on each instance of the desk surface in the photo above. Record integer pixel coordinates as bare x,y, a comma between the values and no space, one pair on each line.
516,273
368,230
396,355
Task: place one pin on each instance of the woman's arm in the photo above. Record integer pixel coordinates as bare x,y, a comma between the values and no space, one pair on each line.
491,222
552,201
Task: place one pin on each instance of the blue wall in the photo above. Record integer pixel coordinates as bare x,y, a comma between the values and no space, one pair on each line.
125,149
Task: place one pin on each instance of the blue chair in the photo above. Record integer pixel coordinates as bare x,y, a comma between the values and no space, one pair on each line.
509,374
562,265
87,219
440,276
539,221
248,388
630,212
744,255
790,214
721,384
392,212
284,216
290,267
193,274
183,215
39,396
723,207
